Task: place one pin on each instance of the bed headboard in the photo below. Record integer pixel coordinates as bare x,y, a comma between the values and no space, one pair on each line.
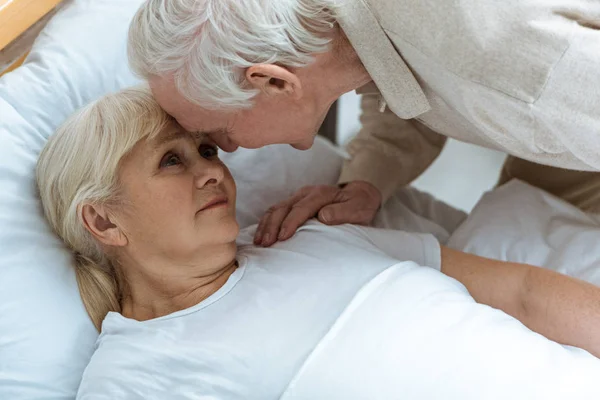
20,23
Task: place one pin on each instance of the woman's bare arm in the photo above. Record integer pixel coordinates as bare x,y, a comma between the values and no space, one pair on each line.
563,309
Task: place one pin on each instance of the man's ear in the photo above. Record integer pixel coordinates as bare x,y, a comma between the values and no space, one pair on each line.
273,79
97,221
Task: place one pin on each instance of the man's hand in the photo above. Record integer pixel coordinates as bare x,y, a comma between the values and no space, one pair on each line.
355,203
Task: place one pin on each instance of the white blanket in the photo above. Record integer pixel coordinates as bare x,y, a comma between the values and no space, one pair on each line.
419,335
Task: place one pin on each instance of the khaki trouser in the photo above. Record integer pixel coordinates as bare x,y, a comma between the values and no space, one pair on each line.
580,188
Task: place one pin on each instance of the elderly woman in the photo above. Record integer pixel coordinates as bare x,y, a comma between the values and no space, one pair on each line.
189,308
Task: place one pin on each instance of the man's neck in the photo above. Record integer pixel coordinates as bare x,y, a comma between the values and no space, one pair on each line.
345,67
336,72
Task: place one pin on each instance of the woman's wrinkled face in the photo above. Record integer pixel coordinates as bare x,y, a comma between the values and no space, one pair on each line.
178,198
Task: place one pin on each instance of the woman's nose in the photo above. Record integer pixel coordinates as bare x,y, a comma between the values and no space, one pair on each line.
208,173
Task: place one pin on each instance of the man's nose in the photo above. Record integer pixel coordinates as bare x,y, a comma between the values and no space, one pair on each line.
224,143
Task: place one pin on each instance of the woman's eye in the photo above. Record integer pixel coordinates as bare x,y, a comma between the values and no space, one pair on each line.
208,150
170,160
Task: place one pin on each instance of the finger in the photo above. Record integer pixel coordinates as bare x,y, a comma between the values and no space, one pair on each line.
267,220
264,221
276,215
259,229
346,213
303,210
273,223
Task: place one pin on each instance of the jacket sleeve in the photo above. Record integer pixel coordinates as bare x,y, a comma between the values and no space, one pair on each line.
389,152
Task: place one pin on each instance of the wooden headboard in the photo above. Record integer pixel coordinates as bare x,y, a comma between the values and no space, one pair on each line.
20,22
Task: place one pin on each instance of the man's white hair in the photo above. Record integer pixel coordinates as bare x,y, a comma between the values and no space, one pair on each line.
206,45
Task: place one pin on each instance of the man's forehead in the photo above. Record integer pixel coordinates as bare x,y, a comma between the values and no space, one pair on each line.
166,94
188,114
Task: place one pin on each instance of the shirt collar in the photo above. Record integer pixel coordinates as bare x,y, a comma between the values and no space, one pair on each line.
393,78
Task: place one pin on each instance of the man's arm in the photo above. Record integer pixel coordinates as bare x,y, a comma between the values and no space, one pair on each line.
389,152
561,308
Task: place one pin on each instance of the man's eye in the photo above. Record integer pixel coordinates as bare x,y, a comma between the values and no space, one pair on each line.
170,160
208,150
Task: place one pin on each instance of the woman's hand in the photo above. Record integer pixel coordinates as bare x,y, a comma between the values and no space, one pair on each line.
356,203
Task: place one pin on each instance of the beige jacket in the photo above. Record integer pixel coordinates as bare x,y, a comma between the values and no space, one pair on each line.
520,76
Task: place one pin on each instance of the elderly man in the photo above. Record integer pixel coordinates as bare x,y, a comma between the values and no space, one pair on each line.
521,76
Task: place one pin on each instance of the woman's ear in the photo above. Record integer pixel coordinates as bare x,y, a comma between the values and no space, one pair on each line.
273,80
97,221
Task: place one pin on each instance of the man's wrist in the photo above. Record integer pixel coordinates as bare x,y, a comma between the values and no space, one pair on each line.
366,186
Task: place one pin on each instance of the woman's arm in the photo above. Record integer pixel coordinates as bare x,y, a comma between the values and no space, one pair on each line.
561,308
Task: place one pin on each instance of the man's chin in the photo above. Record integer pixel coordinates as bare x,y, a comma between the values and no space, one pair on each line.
300,147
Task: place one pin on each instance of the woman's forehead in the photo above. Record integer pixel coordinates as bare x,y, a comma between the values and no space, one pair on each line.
173,132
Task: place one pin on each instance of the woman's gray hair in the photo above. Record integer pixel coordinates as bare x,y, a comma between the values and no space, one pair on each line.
206,45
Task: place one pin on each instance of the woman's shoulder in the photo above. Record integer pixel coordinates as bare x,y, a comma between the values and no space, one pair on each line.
311,231
129,355
119,354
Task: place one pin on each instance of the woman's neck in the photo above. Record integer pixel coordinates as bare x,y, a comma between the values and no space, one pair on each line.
151,296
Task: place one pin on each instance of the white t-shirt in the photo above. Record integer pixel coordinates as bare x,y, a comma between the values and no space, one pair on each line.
250,338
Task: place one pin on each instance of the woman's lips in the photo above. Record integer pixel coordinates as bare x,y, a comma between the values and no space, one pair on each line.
219,201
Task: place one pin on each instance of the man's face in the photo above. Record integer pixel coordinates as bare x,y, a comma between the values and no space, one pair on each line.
271,120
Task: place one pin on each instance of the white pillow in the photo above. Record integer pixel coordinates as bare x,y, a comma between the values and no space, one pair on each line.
46,337
520,223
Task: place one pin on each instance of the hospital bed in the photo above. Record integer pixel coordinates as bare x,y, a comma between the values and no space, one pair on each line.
46,338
